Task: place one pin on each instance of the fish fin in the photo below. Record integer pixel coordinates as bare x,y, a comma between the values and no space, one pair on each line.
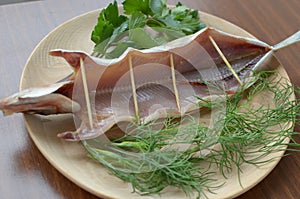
289,41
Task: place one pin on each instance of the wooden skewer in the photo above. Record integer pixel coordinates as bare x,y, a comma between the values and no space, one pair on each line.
225,59
86,93
174,82
136,108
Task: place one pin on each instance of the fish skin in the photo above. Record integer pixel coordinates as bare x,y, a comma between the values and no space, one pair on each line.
205,60
150,92
245,54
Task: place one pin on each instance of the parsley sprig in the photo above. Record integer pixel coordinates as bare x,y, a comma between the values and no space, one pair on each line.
146,23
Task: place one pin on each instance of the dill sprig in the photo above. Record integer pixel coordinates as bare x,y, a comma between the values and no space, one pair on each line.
152,159
157,166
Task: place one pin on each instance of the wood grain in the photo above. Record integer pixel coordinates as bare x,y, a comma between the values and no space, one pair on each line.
25,173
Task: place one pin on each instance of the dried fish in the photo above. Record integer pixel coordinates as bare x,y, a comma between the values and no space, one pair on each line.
144,85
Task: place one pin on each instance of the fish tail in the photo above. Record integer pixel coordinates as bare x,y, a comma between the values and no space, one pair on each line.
289,41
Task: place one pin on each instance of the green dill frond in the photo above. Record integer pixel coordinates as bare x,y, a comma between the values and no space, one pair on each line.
247,131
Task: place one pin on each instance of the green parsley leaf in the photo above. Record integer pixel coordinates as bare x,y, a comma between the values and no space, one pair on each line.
137,20
158,6
132,6
108,20
118,50
116,35
148,23
182,19
102,31
142,39
111,14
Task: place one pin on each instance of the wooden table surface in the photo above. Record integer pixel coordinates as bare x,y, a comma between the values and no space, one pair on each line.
25,173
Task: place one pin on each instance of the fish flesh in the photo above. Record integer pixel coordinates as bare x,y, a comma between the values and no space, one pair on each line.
145,85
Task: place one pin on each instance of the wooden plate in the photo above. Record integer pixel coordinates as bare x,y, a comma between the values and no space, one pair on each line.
69,157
